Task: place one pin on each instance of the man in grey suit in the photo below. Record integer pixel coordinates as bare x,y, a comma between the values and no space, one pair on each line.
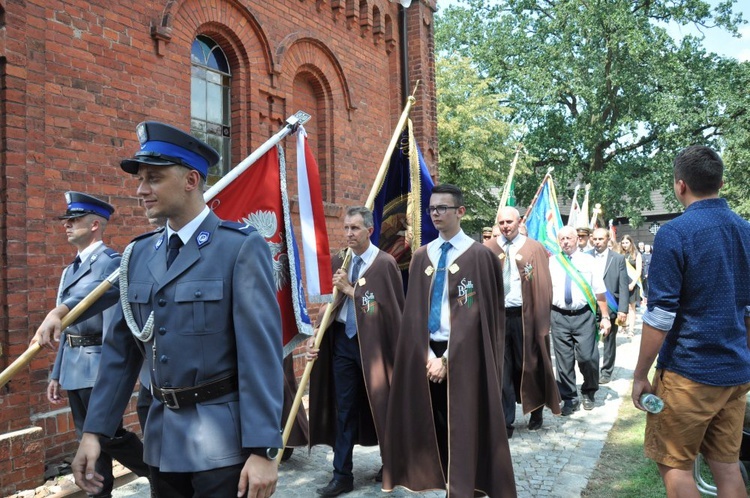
615,272
200,299
77,362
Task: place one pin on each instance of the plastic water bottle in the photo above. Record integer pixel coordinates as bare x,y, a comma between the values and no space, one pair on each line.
652,403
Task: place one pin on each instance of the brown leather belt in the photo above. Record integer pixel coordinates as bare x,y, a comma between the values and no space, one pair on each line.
178,397
78,341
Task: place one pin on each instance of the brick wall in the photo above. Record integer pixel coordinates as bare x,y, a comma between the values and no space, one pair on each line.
77,76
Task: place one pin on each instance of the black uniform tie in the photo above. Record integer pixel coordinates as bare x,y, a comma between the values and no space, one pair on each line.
175,242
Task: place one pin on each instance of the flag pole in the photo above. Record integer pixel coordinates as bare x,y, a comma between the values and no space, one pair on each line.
327,316
292,123
538,191
508,182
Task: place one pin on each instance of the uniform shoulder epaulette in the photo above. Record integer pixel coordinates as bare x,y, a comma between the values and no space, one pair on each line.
148,234
111,252
239,227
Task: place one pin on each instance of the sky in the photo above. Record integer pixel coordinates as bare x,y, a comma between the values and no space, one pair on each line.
716,40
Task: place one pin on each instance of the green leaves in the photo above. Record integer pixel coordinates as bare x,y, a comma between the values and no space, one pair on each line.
598,87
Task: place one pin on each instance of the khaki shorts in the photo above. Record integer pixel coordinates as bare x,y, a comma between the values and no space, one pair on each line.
696,418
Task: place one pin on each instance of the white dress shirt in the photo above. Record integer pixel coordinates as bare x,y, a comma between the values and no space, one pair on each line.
587,267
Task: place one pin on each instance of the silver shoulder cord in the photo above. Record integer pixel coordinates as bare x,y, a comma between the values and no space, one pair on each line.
148,329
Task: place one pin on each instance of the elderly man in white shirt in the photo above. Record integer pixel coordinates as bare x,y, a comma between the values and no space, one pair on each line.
577,288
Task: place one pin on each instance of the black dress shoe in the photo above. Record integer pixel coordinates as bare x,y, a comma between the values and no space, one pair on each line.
379,477
335,488
604,380
588,401
535,423
570,406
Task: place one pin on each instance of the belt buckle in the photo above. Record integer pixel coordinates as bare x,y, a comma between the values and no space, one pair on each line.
69,338
170,399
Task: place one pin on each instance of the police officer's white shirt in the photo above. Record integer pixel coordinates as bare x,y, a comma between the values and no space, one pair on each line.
459,244
587,267
514,297
84,255
186,232
367,258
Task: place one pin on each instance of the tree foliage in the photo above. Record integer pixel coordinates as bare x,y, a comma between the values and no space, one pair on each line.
474,137
606,95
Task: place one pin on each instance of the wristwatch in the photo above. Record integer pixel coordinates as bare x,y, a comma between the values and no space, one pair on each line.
270,453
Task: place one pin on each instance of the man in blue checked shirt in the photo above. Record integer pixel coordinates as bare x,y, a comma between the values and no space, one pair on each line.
698,320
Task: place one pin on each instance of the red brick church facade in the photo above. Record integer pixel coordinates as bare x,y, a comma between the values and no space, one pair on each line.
76,77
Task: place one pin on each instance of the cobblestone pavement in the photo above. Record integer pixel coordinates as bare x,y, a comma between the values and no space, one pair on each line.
555,461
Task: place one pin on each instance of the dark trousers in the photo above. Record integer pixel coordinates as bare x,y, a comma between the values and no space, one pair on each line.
439,399
221,482
124,446
609,350
574,337
513,366
350,386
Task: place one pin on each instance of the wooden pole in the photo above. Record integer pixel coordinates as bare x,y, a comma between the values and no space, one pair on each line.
508,183
67,320
326,321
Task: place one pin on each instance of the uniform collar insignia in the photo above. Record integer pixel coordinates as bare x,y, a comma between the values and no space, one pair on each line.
203,238
453,268
93,258
429,271
160,241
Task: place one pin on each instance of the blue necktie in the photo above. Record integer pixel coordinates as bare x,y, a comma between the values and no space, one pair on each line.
436,301
568,287
351,314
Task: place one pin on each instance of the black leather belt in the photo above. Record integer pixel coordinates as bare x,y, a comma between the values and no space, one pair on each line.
579,311
78,341
513,311
178,397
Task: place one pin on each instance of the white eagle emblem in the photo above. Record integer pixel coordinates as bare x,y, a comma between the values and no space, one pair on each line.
266,225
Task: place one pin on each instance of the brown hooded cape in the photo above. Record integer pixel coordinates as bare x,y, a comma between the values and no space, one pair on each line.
538,386
479,456
379,300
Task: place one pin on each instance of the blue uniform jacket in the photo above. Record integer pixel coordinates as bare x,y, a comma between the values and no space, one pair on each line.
215,313
76,368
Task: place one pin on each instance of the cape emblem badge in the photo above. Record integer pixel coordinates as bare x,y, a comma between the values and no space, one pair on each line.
466,293
369,305
528,271
429,271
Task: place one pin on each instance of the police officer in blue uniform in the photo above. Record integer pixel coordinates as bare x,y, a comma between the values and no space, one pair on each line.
199,299
77,362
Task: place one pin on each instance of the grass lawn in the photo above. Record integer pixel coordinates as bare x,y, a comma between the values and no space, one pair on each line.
622,470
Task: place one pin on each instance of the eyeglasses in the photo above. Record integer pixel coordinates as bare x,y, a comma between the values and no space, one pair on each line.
439,209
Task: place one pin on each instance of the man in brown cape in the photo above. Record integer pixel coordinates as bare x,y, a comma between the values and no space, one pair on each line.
528,377
350,383
445,413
